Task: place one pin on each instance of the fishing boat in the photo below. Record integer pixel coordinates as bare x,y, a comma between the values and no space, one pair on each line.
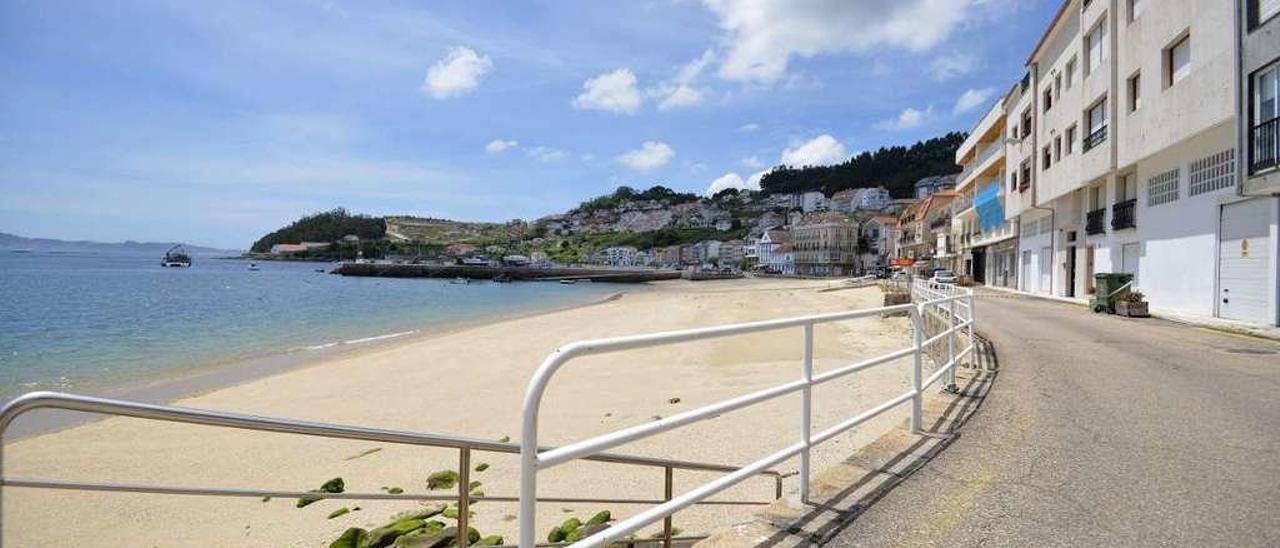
176,257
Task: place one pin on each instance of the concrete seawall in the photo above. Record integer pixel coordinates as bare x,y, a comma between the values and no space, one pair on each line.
486,272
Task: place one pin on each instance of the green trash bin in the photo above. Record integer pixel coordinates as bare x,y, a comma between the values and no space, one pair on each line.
1108,288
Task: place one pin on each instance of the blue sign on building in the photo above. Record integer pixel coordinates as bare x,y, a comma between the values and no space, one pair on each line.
990,210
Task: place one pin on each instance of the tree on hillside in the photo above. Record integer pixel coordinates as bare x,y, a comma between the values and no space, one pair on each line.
628,194
327,226
895,168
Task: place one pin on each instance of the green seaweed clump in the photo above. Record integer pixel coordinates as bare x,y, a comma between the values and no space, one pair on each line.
334,485
443,479
338,512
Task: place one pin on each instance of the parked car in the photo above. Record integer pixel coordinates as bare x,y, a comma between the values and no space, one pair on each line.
945,277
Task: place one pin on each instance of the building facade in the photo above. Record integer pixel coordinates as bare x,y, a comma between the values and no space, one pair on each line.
1122,155
986,238
827,245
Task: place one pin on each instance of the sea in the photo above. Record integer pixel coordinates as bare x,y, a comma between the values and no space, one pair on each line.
91,322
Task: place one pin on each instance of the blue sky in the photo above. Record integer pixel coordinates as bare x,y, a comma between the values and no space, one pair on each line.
215,122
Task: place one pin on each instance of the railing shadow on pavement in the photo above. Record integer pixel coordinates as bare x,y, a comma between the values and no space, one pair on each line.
851,502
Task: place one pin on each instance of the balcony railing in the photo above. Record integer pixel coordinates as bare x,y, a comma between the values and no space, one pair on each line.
1264,146
1096,138
1094,221
1123,214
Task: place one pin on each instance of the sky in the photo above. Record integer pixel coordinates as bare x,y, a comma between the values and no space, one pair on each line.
216,122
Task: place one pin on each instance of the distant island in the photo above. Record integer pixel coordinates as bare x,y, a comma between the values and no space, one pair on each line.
13,242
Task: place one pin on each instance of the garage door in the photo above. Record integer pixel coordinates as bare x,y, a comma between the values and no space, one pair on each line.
1244,252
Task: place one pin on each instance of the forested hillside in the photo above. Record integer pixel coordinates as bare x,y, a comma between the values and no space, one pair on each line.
328,226
895,168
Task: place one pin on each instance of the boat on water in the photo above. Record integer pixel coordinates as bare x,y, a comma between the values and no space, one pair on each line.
254,267
176,257
460,280
568,281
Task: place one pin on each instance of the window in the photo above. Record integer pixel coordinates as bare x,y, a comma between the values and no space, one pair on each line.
1135,92
1048,99
1162,188
1071,71
1264,123
1135,9
1262,10
1024,180
1026,122
1071,139
1013,181
1057,85
1177,61
1057,148
1096,124
1045,160
1213,172
1096,47
1127,187
1095,198
1266,89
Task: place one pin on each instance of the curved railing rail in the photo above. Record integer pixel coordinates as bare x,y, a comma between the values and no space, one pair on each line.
463,498
954,306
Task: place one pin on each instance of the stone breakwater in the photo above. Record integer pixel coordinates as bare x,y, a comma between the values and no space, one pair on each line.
487,272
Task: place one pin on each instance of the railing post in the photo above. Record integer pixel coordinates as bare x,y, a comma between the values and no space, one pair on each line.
973,323
806,408
464,496
952,325
917,401
667,493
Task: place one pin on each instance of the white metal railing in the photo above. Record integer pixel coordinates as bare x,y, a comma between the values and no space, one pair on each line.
465,446
936,302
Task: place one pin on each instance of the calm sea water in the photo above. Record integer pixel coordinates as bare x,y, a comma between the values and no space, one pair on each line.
79,321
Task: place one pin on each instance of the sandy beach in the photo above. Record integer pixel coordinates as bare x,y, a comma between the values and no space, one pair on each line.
469,382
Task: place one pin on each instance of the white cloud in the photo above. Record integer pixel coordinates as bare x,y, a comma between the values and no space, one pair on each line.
752,162
650,155
733,180
749,128
458,73
612,92
763,35
546,154
953,65
907,119
499,145
820,151
681,91
682,97
972,99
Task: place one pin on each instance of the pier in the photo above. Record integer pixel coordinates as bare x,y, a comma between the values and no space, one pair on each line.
488,272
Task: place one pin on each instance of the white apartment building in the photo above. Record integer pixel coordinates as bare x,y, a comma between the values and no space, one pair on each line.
1123,158
986,239
774,253
813,201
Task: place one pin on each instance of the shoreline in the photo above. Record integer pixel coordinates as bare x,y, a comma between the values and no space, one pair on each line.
471,382
199,380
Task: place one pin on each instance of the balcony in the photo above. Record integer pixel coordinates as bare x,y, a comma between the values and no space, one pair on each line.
1093,223
1096,138
1123,214
1264,146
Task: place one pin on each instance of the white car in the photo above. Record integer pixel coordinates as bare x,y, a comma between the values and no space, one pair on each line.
945,277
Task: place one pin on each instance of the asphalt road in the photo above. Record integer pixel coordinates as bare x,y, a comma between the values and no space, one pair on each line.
1100,431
